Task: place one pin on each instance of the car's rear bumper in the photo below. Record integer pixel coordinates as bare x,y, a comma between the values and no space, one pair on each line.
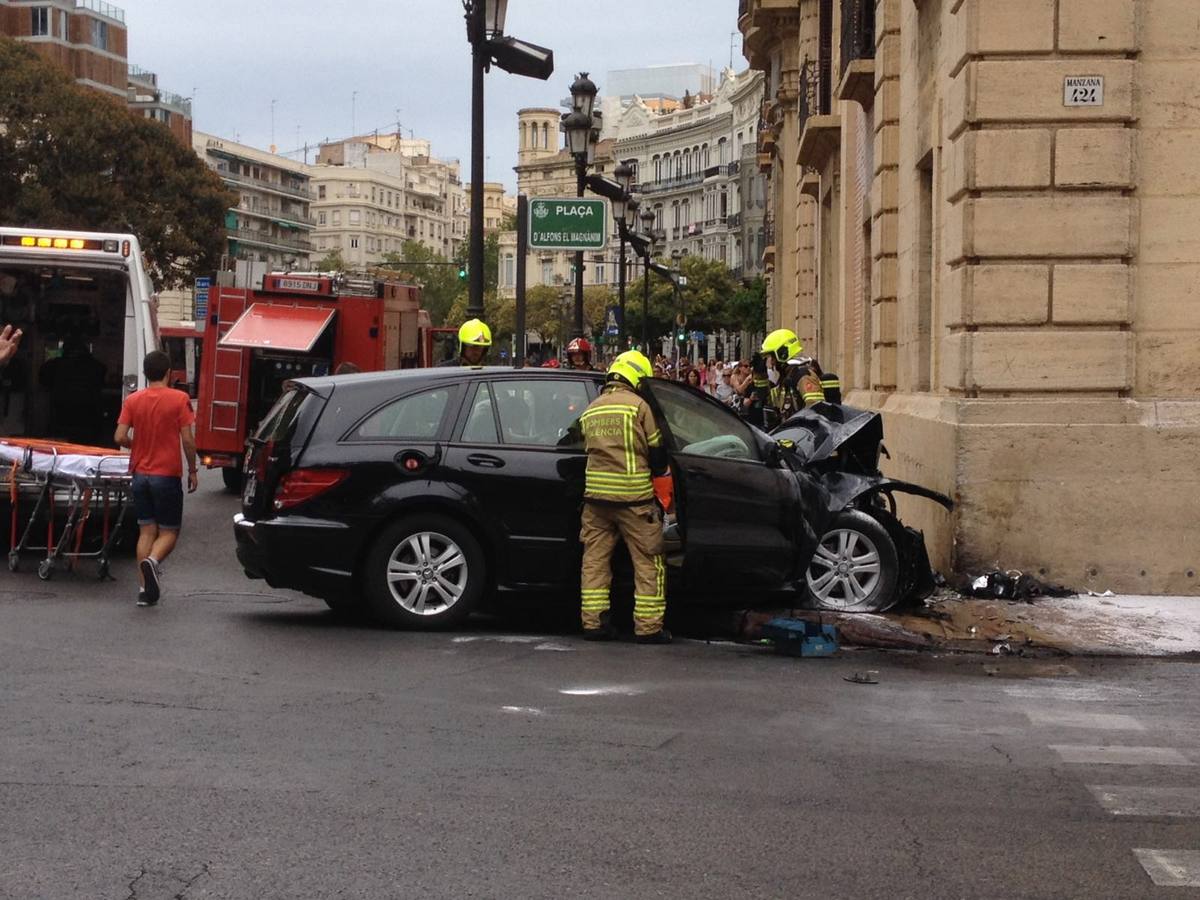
315,556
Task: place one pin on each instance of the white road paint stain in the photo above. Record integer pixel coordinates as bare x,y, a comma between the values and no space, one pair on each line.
1171,868
1088,754
1077,719
615,690
1074,693
1138,800
524,710
497,639
558,648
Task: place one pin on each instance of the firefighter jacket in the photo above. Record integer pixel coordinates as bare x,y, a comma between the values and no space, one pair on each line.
624,447
831,387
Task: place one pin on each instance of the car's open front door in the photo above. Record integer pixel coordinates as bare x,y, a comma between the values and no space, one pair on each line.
737,513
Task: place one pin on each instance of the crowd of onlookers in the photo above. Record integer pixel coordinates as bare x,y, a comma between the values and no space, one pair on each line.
728,382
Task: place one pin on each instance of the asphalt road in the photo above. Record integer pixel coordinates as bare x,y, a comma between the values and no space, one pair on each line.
242,743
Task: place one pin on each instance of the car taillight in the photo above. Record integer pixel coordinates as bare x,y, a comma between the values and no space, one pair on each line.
300,485
262,458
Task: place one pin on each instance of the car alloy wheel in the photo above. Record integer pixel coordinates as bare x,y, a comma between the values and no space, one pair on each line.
423,571
427,574
855,567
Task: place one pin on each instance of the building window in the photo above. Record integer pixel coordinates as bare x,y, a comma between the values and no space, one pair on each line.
64,25
599,267
321,192
510,270
337,218
353,243
41,21
547,272
100,34
321,218
355,217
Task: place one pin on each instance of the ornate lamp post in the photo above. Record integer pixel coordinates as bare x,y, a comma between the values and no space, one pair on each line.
582,132
648,219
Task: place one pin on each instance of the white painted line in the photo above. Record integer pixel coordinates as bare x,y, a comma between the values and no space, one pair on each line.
497,639
524,710
1077,719
615,690
1121,756
1073,693
1137,800
1171,868
558,648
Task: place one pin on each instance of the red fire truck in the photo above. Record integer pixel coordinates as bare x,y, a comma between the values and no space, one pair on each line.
298,325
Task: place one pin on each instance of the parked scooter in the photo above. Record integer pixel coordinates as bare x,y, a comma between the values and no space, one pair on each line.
868,560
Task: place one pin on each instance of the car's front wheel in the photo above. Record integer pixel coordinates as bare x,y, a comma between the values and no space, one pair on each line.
424,572
856,567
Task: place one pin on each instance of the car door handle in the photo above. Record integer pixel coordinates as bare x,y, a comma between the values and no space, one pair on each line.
485,461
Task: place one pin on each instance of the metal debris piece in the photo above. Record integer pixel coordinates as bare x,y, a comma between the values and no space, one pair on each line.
871,676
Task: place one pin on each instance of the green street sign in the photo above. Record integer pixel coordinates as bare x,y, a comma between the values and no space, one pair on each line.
567,223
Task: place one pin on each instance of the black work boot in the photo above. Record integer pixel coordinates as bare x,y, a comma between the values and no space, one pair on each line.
662,636
606,632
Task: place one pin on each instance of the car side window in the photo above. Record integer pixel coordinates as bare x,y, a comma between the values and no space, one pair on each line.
539,412
481,420
415,417
700,427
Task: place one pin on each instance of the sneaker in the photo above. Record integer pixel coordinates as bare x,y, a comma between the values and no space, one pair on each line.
143,600
662,636
150,576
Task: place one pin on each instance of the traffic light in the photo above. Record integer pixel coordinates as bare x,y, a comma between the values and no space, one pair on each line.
462,271
681,336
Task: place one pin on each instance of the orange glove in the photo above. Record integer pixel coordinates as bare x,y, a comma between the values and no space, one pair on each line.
664,491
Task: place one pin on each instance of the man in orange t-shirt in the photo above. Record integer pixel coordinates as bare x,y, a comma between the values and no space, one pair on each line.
161,421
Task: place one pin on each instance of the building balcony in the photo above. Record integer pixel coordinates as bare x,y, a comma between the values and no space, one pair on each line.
725,171
765,161
672,184
858,51
236,180
267,239
734,221
102,9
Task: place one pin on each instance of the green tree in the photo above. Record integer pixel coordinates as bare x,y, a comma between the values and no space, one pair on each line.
332,262
74,158
437,276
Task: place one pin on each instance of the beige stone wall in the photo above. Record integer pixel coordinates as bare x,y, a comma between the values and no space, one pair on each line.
1032,335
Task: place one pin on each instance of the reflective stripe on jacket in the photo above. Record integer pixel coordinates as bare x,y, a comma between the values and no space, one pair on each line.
619,433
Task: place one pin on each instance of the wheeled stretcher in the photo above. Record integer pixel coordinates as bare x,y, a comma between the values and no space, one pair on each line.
46,477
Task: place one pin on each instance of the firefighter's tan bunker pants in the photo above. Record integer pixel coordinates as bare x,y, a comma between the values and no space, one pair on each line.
640,526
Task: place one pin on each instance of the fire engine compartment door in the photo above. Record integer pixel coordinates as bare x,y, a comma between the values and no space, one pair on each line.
266,326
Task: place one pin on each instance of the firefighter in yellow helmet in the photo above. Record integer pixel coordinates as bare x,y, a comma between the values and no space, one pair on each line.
627,471
474,341
801,376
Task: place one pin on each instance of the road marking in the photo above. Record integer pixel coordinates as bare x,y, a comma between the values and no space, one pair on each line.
1130,800
1077,719
498,639
615,690
558,648
524,710
1056,690
1121,756
1171,868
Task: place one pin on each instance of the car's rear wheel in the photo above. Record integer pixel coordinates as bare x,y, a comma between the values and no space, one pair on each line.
424,572
856,567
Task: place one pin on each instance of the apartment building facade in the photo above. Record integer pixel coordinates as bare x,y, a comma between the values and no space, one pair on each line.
272,221
982,216
497,206
87,38
374,193
147,99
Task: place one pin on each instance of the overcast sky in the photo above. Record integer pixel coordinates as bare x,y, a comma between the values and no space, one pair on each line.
234,56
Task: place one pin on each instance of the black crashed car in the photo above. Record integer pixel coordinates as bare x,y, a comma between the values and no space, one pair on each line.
419,493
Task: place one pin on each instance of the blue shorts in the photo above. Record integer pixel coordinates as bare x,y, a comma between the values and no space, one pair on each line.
158,500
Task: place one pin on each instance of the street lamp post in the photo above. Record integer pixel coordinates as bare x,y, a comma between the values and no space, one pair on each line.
648,230
579,124
680,318
489,44
624,176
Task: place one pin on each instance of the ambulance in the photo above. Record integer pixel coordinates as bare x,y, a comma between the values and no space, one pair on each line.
87,309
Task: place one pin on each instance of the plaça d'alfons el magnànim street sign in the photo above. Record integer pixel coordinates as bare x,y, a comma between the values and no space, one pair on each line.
567,223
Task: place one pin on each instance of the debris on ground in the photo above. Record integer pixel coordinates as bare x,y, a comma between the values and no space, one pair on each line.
801,637
1013,585
871,676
